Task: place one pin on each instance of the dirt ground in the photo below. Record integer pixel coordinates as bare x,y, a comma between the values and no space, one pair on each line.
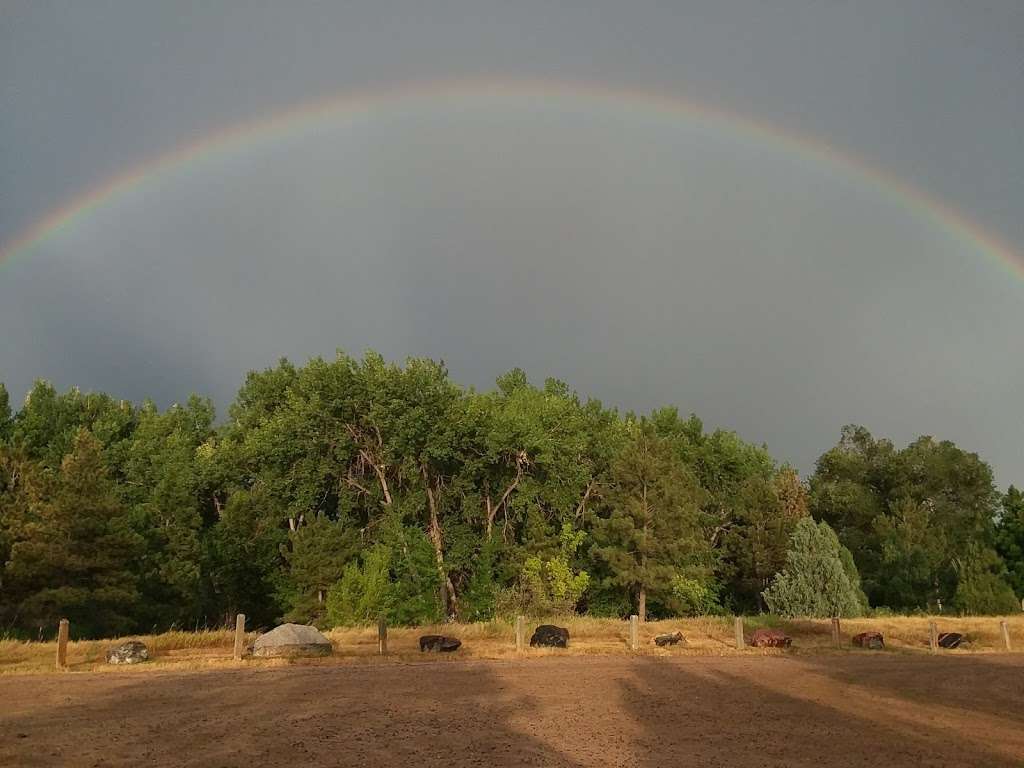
823,711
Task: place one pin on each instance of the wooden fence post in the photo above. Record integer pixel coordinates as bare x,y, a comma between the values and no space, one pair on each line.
634,632
1006,635
239,636
520,634
740,644
835,632
382,637
62,644
933,637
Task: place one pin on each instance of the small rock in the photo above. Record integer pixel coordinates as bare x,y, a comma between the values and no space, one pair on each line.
132,652
951,640
550,636
871,640
439,643
662,640
770,638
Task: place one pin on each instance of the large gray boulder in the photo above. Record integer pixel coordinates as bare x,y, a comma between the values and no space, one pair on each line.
292,640
132,652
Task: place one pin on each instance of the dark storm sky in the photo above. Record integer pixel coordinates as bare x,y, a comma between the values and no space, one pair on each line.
644,258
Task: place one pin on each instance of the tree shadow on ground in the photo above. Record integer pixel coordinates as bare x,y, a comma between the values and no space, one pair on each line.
971,683
764,712
395,714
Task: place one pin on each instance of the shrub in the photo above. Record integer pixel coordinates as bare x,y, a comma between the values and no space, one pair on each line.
549,586
691,597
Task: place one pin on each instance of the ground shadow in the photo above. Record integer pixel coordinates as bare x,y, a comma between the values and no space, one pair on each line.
971,683
424,714
758,711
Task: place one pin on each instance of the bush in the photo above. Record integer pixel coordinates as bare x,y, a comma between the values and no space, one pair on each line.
479,601
552,586
691,597
981,588
397,581
364,593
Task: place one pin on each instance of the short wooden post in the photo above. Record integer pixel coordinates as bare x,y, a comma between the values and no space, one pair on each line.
382,637
933,637
634,632
1005,628
740,644
62,644
835,631
520,634
239,636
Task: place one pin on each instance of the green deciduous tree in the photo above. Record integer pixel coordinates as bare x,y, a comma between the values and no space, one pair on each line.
909,516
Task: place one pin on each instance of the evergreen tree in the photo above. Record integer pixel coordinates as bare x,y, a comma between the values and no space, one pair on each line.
766,510
1010,538
5,414
819,581
651,532
981,585
77,543
319,552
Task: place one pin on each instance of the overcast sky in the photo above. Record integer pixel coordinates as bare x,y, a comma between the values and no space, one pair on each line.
643,257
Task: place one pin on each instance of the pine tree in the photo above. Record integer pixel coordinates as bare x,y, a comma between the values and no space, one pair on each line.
1010,538
74,560
5,413
319,553
651,533
817,581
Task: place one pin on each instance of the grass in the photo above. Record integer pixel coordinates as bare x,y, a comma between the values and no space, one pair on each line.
712,635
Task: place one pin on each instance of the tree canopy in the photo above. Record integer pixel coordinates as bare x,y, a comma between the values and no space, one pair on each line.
348,489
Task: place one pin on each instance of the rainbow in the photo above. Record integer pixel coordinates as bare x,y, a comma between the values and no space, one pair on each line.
366,103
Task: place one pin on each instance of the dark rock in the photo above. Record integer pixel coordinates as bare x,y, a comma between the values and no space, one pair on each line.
550,636
662,640
951,640
770,638
132,652
439,643
871,640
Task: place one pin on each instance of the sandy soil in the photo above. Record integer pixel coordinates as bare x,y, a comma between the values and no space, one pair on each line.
843,710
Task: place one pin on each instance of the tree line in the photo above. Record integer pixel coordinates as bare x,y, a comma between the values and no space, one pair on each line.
342,491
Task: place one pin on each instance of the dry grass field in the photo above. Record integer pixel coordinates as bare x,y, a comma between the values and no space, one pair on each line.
496,640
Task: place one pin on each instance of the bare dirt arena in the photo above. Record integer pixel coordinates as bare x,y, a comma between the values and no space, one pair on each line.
824,710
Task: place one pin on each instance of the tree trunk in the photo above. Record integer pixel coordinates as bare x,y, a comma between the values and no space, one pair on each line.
447,590
641,608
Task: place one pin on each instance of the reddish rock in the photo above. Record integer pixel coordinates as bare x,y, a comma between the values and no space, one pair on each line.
872,640
770,638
